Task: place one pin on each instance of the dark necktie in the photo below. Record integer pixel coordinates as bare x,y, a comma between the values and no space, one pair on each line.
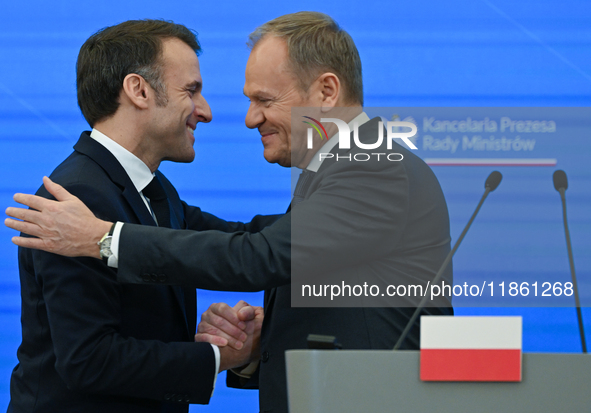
159,204
301,188
158,201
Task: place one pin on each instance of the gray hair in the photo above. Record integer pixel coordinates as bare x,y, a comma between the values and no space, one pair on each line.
315,44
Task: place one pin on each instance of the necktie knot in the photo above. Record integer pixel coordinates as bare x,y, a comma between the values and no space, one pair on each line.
154,191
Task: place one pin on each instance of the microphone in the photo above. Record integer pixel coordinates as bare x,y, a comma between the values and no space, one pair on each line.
561,185
492,182
560,181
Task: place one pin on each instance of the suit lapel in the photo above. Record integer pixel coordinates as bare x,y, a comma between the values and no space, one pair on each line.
270,294
101,155
366,128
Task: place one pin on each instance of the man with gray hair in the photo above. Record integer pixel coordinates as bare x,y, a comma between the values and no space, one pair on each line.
388,220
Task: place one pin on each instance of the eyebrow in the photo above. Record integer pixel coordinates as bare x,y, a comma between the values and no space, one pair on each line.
194,85
259,94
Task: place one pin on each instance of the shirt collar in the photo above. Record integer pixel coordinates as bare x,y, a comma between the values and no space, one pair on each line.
136,169
316,161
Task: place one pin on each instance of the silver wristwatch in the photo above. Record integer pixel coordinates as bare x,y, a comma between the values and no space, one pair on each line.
105,245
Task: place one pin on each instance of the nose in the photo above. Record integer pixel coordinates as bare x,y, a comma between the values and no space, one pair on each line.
202,110
254,116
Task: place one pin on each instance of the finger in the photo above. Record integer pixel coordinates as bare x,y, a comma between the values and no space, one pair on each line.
235,344
36,202
226,312
57,190
34,243
244,310
241,304
209,338
209,330
23,226
214,324
259,312
23,214
247,313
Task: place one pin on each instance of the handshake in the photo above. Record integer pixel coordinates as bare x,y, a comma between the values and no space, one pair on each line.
235,330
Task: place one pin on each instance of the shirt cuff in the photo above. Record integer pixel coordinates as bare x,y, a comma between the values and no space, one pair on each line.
114,259
248,371
216,352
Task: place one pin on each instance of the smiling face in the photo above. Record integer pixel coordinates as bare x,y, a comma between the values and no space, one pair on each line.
173,124
273,90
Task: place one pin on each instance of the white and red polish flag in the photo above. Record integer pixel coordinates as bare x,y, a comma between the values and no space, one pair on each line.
470,348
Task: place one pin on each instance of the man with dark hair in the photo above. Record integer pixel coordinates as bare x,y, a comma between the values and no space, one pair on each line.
134,46
90,344
386,220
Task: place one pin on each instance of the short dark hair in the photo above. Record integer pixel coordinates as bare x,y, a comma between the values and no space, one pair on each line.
316,43
134,46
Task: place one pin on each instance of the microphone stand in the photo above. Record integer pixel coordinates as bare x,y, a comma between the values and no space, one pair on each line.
490,185
571,262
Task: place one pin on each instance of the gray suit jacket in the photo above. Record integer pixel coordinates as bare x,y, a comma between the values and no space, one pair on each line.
384,220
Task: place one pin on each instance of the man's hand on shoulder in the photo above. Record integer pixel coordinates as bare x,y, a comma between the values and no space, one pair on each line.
65,227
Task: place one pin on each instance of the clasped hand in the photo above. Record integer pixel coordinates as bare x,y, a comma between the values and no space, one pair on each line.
235,330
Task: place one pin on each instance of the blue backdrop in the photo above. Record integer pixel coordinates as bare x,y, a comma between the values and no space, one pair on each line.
419,53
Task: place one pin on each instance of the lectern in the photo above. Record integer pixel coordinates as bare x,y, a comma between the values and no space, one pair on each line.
323,381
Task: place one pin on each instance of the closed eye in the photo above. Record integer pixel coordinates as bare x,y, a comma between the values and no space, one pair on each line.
264,101
259,99
193,88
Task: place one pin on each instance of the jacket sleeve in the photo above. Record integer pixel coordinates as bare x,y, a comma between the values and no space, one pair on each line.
211,260
199,220
237,382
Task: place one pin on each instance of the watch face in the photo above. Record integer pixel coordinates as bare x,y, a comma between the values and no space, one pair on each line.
106,252
106,247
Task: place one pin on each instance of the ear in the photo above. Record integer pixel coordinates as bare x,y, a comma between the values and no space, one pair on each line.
137,90
330,89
